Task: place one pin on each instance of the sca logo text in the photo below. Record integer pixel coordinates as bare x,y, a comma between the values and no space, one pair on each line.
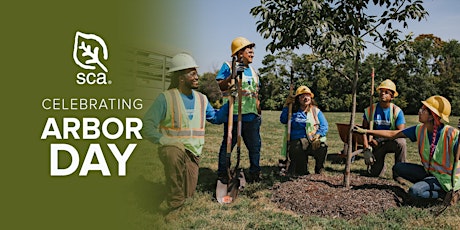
89,52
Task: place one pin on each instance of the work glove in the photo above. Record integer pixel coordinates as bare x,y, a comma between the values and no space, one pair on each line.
315,142
369,157
357,129
168,141
289,100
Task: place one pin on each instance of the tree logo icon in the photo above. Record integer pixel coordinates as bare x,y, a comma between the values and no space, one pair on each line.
86,51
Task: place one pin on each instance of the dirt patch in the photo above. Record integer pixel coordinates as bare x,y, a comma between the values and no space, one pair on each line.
325,196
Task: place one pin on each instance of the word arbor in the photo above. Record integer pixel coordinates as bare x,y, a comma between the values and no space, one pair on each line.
91,129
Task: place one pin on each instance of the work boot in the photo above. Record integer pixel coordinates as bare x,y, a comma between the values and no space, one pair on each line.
222,177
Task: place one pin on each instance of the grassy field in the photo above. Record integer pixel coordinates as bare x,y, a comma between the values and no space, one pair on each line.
253,208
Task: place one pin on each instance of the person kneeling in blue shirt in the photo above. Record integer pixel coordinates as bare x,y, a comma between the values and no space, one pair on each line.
308,132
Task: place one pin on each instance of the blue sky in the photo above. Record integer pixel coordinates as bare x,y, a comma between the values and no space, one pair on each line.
205,28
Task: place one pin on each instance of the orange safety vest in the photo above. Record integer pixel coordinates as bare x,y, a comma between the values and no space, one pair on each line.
441,163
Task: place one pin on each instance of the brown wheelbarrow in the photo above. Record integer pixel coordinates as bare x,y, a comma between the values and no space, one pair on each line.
357,140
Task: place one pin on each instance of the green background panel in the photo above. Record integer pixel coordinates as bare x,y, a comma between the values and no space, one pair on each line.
37,45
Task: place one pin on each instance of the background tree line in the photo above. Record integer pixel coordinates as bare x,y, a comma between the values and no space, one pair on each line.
429,66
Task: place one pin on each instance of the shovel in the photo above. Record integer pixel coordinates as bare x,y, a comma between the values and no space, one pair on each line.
227,193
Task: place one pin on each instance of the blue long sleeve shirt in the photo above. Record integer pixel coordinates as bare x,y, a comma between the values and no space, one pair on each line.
157,112
299,123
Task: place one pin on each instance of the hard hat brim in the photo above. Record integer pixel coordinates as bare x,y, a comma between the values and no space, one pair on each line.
435,111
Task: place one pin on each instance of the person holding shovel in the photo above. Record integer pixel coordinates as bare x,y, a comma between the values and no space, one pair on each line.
243,50
308,132
383,115
176,121
437,143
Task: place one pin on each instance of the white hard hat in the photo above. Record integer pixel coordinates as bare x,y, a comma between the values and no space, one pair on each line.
182,61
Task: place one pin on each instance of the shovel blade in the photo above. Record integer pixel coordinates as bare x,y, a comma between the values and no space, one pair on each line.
227,193
221,192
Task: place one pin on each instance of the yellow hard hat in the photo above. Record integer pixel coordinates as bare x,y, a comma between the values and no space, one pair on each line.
239,43
439,105
303,89
182,61
388,84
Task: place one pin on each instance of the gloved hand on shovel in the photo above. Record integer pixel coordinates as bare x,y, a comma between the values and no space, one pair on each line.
289,100
369,158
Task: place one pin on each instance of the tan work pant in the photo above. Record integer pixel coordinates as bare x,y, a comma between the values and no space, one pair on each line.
181,172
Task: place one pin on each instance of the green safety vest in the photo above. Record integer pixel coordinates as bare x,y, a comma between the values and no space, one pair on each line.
310,129
250,94
177,123
443,160
394,109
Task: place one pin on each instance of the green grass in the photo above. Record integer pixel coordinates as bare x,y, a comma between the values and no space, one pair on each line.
253,209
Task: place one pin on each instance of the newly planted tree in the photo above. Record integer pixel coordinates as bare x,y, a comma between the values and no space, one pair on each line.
336,31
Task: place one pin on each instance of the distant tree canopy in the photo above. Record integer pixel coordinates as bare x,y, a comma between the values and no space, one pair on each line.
432,67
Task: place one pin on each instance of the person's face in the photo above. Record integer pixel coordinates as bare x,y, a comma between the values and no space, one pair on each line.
190,78
247,55
305,99
424,114
385,95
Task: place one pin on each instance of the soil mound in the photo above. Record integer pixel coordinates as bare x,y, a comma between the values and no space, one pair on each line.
325,196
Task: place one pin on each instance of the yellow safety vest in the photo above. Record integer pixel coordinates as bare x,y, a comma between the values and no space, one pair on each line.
394,109
177,123
250,93
441,163
311,128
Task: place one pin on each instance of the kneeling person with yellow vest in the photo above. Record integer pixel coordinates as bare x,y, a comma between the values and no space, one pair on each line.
437,143
383,115
176,120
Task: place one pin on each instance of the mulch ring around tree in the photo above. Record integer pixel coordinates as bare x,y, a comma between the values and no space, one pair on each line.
325,196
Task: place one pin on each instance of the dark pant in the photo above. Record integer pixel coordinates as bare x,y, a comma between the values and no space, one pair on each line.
299,157
250,134
425,186
181,172
397,146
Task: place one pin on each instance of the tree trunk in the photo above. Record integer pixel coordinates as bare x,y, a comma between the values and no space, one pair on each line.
346,177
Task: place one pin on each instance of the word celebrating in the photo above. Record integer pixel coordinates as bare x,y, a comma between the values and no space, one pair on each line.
112,128
91,104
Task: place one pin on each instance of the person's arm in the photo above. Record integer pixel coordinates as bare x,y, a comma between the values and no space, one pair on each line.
223,77
400,122
217,116
365,125
390,134
323,125
152,119
284,115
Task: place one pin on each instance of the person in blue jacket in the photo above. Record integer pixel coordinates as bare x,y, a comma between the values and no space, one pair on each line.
308,132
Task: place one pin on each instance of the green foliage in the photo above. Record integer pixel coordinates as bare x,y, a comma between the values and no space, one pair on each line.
209,87
431,67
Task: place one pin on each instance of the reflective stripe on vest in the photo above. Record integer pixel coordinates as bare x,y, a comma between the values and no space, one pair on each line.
442,161
394,110
250,93
177,123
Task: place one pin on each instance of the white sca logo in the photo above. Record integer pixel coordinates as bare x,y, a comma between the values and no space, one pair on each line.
88,50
